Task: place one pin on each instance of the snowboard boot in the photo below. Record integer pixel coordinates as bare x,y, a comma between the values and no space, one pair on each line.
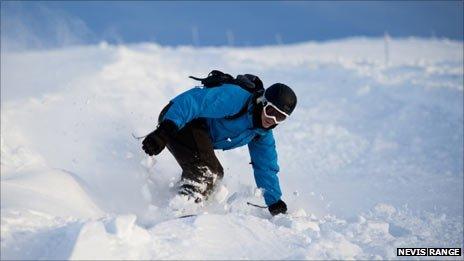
191,189
199,184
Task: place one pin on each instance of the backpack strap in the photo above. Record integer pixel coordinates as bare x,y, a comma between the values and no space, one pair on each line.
244,109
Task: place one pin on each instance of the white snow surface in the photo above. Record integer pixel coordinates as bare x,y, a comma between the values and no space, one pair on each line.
371,159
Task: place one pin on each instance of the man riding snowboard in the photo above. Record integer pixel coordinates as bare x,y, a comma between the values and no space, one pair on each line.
225,113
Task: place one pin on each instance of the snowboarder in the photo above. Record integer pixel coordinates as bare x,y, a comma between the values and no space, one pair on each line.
237,112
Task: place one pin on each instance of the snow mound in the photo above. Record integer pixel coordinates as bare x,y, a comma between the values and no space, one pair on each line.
54,192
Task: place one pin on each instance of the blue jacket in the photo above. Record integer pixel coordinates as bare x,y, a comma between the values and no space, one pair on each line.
214,104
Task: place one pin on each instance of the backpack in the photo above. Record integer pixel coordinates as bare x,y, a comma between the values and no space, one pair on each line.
248,82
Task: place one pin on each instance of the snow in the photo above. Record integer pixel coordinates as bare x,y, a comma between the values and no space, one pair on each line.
371,159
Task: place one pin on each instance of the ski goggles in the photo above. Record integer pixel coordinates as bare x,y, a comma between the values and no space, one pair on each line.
271,111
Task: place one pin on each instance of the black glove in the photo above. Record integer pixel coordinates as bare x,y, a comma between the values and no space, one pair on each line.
278,208
155,142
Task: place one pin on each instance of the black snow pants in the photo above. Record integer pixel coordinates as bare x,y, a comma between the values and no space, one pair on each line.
192,148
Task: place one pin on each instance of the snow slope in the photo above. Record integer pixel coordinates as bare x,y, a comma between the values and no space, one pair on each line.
371,160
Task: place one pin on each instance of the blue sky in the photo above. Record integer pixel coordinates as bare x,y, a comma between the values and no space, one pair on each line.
224,23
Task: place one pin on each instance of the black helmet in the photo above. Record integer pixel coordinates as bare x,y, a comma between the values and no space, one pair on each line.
281,96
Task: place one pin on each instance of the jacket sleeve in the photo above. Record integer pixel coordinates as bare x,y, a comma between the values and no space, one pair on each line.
206,102
264,160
